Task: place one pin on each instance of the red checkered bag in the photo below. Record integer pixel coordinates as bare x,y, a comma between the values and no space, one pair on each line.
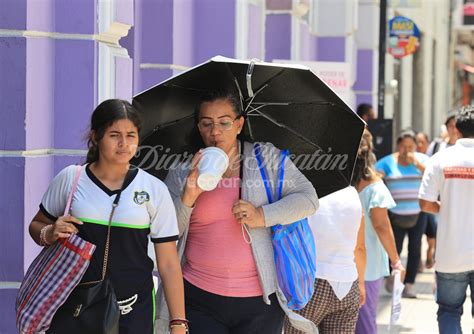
51,278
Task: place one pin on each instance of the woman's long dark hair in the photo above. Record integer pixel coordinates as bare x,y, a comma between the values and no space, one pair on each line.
104,116
364,166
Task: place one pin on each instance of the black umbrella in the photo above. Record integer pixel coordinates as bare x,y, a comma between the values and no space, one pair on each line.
286,105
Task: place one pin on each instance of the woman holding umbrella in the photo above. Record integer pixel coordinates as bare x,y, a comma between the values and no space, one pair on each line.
229,273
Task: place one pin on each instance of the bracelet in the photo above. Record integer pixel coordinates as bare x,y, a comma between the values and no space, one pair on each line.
186,330
397,265
44,230
178,322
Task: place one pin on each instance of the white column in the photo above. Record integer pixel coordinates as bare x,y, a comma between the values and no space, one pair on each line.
241,29
106,63
441,68
406,78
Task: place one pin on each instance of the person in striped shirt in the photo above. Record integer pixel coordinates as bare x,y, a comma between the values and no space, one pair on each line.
402,172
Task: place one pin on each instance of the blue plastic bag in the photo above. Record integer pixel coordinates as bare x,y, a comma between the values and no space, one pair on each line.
293,247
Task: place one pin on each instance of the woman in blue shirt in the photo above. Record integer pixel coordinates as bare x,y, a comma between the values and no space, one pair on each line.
379,239
402,172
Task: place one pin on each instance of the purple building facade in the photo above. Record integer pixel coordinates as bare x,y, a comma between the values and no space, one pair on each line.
59,59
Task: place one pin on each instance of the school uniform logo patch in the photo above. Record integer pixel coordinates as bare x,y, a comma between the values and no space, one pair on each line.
141,197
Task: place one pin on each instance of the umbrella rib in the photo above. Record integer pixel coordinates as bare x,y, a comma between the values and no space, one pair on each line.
265,104
256,109
241,97
317,103
238,87
266,83
254,96
249,126
271,119
274,121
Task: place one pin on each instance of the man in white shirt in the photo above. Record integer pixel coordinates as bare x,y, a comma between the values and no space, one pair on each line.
450,175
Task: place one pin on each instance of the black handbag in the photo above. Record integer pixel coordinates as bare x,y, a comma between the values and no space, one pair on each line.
89,309
403,221
92,307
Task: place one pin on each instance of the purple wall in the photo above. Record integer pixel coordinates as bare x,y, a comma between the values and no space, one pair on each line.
75,16
213,29
12,93
62,161
152,41
364,70
13,14
308,44
183,33
180,33
40,15
280,47
39,172
7,314
74,92
124,78
124,11
40,93
12,137
331,48
363,98
155,21
152,77
12,200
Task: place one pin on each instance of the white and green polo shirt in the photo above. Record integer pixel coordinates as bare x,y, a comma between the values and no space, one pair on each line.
145,210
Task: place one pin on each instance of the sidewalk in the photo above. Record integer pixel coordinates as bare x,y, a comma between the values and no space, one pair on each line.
418,315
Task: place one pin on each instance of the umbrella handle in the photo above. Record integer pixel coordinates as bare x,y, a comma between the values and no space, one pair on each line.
248,76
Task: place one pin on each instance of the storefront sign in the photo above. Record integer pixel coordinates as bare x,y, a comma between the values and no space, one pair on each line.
336,75
404,37
468,12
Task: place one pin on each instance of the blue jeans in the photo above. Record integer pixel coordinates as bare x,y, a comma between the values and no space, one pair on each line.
450,296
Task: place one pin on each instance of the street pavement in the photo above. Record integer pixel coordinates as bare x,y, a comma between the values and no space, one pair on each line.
418,315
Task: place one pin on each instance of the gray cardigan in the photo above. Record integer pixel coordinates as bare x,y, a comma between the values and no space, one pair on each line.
299,200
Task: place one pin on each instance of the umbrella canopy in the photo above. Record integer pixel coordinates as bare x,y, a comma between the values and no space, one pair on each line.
287,105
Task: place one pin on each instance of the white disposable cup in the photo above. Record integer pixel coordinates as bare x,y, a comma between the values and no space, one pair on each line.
213,164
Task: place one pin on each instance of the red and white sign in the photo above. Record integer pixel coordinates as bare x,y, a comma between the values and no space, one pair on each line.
336,75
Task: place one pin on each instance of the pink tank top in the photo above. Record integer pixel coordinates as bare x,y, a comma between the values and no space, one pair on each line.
218,258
